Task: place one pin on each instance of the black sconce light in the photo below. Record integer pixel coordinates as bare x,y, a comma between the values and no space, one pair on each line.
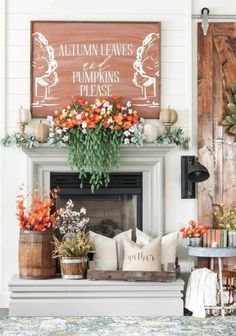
192,171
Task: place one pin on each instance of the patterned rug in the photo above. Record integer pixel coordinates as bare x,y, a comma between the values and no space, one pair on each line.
117,326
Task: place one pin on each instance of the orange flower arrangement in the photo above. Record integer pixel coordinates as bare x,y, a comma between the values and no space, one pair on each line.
193,229
37,216
110,114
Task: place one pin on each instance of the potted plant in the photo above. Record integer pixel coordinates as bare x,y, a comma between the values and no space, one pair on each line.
94,133
36,222
227,220
73,254
194,232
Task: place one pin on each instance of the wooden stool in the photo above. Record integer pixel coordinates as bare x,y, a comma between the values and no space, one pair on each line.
228,277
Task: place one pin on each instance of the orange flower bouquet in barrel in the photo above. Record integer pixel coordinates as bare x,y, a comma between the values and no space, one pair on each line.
37,216
36,235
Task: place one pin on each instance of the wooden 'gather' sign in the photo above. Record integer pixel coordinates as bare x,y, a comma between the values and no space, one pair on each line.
95,59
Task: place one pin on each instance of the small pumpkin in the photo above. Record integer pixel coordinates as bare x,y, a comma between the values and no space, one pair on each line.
150,132
41,131
168,117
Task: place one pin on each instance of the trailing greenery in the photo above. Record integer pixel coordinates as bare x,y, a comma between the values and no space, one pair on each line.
175,136
230,119
79,246
19,140
94,152
93,134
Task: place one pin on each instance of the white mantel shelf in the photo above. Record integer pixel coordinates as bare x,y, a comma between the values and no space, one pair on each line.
126,150
149,160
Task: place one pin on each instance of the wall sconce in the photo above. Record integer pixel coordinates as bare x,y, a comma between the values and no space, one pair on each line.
192,172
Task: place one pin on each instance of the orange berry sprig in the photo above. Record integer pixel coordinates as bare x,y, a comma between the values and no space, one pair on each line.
37,216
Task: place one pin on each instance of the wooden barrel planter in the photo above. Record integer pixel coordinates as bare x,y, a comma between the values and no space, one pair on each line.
73,268
35,255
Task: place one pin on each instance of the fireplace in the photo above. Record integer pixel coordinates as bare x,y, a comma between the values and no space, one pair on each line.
148,161
88,298
111,210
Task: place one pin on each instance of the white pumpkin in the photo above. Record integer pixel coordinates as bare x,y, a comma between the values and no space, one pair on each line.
150,132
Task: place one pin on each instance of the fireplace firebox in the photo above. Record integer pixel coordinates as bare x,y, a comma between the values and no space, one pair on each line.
111,210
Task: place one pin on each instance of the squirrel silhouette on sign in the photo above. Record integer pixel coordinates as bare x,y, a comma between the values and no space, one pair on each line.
147,64
45,65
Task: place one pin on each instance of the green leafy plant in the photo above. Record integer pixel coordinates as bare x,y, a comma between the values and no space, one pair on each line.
230,119
175,136
79,246
226,217
19,140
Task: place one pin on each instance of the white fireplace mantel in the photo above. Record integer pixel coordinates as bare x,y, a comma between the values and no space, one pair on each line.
149,159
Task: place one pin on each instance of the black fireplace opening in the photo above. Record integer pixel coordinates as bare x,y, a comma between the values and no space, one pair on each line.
111,210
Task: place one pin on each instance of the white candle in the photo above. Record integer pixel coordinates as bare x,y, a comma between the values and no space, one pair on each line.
23,115
214,244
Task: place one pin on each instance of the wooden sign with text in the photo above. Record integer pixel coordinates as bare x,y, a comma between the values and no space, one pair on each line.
95,59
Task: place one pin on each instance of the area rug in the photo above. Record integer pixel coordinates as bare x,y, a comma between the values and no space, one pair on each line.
117,326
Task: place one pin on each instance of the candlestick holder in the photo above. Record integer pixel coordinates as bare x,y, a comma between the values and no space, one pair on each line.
22,126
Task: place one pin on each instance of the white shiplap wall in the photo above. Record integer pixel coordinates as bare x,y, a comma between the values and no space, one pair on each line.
2,116
176,82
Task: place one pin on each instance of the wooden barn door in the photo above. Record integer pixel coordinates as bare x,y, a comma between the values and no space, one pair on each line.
216,148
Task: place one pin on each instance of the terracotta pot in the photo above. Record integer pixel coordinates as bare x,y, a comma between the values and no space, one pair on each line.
73,267
35,255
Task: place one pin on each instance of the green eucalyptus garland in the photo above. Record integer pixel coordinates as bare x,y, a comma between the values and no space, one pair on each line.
175,136
19,140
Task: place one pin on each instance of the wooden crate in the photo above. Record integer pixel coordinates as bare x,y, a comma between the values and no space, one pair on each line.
134,275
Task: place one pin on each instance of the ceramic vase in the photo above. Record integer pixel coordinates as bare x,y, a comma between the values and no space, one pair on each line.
195,242
231,238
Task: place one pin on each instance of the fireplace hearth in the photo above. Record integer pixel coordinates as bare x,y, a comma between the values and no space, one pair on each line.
112,209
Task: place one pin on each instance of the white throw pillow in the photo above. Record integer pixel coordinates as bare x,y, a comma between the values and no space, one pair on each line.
110,251
146,258
169,244
120,238
168,253
142,239
105,256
